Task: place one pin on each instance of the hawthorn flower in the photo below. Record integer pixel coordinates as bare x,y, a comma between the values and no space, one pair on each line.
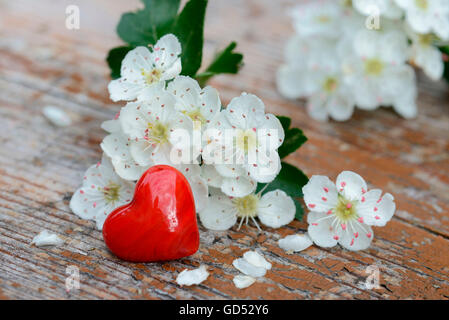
303,57
102,191
273,209
157,132
142,69
427,16
330,95
377,73
247,140
344,212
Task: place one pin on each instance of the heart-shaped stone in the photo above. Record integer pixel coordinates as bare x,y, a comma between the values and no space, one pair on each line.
159,223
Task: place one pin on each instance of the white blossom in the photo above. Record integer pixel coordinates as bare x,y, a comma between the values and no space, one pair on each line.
377,73
345,211
244,145
102,191
273,209
142,69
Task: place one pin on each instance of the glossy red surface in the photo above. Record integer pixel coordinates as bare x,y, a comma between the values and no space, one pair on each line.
159,223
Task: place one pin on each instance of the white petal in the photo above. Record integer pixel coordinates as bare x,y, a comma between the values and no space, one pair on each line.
276,209
120,89
320,194
82,202
166,53
45,238
238,187
244,109
431,61
321,231
211,103
266,169
376,210
357,236
191,277
351,185
200,192
291,81
219,214
271,125
134,120
341,105
229,171
256,259
242,281
316,107
249,269
57,116
142,152
210,174
111,126
295,242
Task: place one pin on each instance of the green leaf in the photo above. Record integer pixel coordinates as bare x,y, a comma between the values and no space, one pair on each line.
290,180
285,122
294,138
226,61
188,27
146,26
114,59
445,51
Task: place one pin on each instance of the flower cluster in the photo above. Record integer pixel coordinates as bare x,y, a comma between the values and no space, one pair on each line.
169,119
359,53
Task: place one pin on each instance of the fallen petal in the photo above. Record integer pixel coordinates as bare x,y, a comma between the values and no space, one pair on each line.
295,242
249,269
57,116
191,277
256,259
46,238
243,282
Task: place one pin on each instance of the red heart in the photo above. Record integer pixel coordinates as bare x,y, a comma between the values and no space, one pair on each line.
159,223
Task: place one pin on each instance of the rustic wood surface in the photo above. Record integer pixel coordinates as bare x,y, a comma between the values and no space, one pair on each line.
42,63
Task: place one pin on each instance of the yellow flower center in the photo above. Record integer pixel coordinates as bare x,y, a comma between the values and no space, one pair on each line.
246,140
246,206
374,67
427,39
195,115
323,19
111,192
345,209
157,132
152,76
330,84
422,4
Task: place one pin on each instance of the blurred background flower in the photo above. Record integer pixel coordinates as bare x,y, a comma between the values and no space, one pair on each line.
360,53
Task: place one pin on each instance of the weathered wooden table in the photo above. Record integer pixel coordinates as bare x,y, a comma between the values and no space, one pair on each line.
42,63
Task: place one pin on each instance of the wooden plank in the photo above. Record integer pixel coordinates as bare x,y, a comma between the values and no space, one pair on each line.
42,63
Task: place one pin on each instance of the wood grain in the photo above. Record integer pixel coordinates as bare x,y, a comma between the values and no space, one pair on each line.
42,63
